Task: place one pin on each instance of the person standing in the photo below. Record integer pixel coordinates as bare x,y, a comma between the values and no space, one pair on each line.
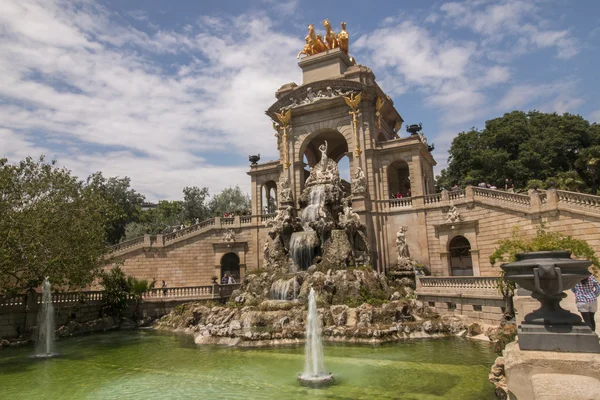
230,281
586,298
164,288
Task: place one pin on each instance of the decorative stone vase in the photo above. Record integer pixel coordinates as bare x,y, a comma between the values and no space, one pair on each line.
254,159
547,274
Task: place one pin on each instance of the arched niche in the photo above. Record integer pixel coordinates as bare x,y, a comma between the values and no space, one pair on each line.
460,260
398,174
230,265
337,146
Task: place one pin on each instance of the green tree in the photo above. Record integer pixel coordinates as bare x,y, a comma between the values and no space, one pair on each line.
194,204
126,203
51,224
520,146
230,200
137,289
588,165
116,291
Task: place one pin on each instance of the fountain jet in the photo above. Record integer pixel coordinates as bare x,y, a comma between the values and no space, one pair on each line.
314,365
45,324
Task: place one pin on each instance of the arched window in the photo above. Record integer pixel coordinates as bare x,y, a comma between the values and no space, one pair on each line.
461,263
399,179
230,265
269,197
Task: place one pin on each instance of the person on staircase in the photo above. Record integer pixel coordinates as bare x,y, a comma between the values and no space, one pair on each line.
586,299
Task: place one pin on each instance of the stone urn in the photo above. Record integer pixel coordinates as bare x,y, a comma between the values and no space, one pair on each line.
547,274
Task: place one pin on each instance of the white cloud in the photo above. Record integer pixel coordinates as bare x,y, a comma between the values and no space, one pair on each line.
547,97
71,74
518,21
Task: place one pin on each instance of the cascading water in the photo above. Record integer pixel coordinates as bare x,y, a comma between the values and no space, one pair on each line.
315,202
284,289
45,324
314,365
302,244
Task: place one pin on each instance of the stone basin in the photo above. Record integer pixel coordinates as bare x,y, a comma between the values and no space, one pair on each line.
316,381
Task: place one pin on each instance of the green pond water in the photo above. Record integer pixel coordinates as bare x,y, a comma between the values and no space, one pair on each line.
149,365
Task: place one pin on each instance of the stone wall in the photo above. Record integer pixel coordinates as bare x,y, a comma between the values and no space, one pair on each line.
487,217
193,259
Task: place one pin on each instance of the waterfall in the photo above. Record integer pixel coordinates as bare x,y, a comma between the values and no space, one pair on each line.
314,365
45,323
282,289
316,200
302,249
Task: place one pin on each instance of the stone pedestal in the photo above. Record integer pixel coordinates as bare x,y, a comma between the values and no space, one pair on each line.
326,65
577,338
549,375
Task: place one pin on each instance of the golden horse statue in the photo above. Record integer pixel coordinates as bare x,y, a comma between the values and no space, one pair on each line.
330,36
343,38
315,43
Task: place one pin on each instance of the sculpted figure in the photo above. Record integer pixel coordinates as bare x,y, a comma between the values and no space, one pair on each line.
423,138
319,45
401,245
285,193
359,183
330,36
343,38
453,215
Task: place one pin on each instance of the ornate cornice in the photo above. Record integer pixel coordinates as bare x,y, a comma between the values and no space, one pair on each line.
302,95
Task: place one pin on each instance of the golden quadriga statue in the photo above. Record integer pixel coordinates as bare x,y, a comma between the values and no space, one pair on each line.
315,43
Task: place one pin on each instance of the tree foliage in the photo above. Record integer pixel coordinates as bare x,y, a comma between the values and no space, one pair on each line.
126,203
230,200
51,224
524,147
543,241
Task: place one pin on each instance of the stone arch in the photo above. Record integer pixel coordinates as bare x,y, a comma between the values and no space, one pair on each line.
459,256
268,197
338,145
381,137
230,265
398,177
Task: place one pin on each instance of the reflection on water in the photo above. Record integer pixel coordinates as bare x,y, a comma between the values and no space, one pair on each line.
145,364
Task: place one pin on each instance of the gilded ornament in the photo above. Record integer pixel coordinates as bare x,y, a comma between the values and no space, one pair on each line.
353,102
315,43
378,106
284,118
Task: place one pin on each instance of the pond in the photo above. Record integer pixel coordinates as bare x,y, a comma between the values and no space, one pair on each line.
146,364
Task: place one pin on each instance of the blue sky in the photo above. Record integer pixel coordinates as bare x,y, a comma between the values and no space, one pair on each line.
172,93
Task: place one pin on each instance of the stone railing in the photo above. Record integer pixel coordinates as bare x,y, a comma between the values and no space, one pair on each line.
227,220
456,194
458,286
135,242
197,292
578,199
519,199
73,298
267,217
226,290
403,202
432,198
16,301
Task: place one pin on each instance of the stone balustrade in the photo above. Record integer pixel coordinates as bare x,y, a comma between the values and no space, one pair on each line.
404,202
127,244
456,194
578,199
16,301
87,297
432,198
458,285
506,197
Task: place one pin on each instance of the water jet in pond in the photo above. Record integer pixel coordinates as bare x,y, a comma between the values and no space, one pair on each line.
314,365
45,324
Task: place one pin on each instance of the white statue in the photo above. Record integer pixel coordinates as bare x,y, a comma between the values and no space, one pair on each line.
266,252
401,244
285,193
359,183
423,138
453,215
